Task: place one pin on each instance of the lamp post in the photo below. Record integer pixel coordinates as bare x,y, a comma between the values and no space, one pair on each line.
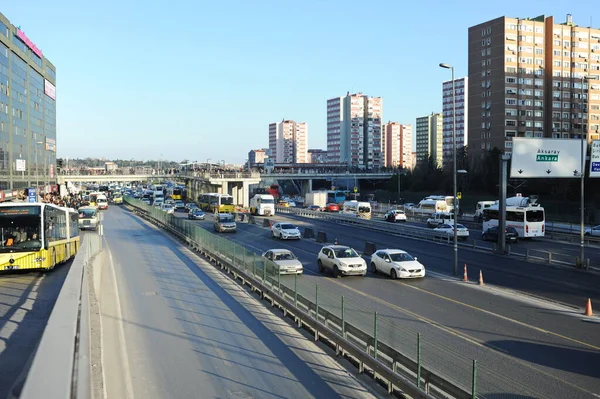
582,174
455,233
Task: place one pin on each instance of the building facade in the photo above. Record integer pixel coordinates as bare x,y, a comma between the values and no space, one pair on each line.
449,103
406,142
288,141
528,77
429,137
396,145
27,112
257,157
317,156
354,130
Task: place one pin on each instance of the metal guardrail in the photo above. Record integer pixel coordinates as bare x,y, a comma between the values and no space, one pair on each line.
62,365
425,233
374,342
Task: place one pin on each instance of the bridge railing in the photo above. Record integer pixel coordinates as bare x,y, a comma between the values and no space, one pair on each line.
221,175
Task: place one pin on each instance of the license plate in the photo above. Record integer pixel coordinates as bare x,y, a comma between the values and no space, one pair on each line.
11,267
86,222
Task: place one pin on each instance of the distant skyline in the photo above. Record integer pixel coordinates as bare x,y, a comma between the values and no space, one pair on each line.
199,80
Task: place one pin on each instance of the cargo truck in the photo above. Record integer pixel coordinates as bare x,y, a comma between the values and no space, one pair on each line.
318,198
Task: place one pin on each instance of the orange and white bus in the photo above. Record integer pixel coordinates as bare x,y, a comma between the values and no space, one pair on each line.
35,235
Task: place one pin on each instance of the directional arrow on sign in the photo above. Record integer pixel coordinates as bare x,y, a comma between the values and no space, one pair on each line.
575,172
520,171
548,171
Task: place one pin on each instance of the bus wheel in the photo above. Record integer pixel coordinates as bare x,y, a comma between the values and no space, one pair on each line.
53,259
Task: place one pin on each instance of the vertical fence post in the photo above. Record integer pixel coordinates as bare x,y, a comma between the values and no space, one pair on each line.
253,265
418,360
375,335
264,266
343,320
474,381
278,280
233,256
317,302
295,290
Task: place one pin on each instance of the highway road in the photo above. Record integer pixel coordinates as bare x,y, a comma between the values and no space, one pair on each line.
539,247
26,301
523,345
182,329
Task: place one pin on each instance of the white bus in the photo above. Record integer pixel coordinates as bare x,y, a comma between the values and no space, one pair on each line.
528,219
448,200
357,208
481,206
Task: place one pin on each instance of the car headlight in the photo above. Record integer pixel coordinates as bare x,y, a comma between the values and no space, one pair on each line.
403,270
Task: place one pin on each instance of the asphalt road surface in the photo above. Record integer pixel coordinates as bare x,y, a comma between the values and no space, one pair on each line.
26,301
181,329
523,345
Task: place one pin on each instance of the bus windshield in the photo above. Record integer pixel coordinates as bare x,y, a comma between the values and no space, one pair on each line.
226,200
20,229
535,216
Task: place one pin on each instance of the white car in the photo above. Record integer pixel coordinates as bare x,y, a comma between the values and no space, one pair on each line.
440,218
169,208
399,215
594,231
285,261
285,231
447,230
396,263
341,260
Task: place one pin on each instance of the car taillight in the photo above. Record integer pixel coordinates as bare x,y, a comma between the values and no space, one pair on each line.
527,229
542,228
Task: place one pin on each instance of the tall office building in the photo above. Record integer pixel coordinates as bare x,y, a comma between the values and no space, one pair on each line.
27,112
354,130
460,101
396,145
288,141
257,157
429,137
527,79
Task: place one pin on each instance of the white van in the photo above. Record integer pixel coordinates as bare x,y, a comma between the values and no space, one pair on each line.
102,201
481,205
357,208
262,204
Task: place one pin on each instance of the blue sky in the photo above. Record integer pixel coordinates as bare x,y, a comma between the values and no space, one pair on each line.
185,79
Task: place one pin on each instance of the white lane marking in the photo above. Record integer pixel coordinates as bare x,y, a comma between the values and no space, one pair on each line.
123,344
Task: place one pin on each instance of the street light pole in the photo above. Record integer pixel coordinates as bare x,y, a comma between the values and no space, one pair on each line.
454,179
583,144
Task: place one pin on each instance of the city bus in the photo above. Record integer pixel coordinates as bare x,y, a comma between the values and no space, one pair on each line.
35,235
176,193
216,203
528,219
336,197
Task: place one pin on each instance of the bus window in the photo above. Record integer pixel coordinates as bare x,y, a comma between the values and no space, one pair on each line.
535,216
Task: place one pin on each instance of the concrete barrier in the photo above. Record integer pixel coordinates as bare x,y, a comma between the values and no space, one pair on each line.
242,217
309,233
321,236
266,223
370,248
251,219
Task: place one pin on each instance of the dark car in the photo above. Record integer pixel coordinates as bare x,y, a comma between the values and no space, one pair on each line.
491,234
196,214
313,208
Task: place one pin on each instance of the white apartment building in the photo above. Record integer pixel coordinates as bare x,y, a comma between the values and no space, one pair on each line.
288,141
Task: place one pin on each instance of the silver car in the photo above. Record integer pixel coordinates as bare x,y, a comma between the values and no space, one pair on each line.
285,261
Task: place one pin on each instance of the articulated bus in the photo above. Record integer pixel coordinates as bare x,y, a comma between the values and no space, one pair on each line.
34,235
528,219
216,203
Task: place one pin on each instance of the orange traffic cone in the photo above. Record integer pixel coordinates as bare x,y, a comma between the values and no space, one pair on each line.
465,277
481,278
588,308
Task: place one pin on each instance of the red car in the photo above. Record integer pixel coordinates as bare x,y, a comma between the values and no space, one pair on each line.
333,207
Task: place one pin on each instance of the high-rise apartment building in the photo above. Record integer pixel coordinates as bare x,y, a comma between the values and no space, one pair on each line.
354,130
449,103
27,112
396,145
429,137
528,78
288,141
317,155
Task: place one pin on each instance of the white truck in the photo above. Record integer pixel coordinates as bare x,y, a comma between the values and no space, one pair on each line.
262,204
318,198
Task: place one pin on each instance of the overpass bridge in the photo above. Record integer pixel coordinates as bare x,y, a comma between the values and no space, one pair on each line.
236,184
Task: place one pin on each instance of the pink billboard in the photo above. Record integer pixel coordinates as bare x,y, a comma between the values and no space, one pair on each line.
21,35
49,89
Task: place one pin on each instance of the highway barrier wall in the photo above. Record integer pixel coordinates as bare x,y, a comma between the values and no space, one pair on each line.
377,343
61,367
